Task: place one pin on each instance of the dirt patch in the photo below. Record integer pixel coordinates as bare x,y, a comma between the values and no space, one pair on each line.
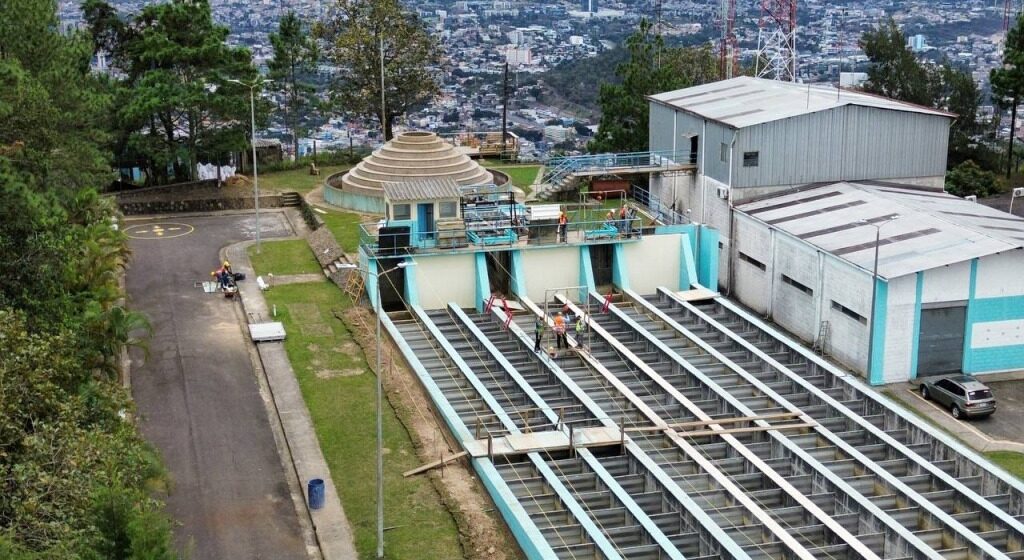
333,373
348,348
482,533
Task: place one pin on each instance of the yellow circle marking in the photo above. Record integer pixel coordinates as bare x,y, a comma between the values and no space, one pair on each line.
162,230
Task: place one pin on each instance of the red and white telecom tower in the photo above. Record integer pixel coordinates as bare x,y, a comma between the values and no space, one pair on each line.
776,42
728,52
1010,13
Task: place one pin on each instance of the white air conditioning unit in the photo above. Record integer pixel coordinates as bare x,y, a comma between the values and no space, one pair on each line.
723,193
1019,191
971,198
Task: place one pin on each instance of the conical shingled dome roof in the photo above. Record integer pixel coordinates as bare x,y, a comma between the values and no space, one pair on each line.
411,156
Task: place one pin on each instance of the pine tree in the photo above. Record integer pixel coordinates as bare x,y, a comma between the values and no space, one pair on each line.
1008,82
295,56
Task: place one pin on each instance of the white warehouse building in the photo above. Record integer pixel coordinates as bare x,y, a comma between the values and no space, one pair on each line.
801,182
949,294
751,137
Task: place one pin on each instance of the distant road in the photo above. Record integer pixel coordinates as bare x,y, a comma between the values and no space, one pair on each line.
197,396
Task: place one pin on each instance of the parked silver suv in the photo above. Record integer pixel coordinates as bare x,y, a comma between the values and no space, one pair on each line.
964,395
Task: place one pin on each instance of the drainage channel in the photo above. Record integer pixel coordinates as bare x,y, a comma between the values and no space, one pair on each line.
767,376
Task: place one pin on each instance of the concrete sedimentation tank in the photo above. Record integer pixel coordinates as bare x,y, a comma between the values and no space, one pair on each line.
409,156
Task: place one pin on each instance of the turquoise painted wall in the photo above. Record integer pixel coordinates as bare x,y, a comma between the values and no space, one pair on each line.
916,338
999,358
483,281
357,202
707,255
687,263
878,318
518,276
620,268
586,272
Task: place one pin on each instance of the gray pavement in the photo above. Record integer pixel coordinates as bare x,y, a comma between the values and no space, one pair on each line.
197,395
333,532
1002,431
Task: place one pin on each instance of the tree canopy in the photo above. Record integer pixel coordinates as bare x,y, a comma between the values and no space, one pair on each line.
74,471
895,72
353,38
1008,81
652,68
295,57
175,103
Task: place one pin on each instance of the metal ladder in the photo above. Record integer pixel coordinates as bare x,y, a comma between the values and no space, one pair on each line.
821,340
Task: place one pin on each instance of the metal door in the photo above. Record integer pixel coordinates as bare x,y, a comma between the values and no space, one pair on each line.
426,221
941,342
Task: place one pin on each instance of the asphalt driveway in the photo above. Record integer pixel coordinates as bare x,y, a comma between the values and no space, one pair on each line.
198,398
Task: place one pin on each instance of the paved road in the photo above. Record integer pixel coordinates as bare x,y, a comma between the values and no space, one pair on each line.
198,398
1006,423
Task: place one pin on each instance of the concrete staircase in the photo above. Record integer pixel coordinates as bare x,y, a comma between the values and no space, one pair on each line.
291,199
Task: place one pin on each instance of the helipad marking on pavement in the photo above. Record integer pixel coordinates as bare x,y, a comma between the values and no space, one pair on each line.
164,230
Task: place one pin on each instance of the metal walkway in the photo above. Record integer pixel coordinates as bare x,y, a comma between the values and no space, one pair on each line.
690,430
562,174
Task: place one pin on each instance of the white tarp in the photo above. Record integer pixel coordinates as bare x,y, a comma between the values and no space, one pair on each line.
209,171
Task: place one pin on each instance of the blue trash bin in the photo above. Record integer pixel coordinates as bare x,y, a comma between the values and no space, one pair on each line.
315,489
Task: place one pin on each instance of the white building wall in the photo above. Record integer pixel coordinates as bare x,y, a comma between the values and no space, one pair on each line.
899,329
947,283
717,213
446,278
653,263
1000,275
851,287
557,267
792,308
752,285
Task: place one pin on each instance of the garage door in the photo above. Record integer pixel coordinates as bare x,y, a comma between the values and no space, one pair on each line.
941,346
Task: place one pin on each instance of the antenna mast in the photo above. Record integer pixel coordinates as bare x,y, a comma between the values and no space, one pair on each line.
728,51
776,42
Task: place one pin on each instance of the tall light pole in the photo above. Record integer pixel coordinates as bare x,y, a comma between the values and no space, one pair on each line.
379,307
874,286
255,178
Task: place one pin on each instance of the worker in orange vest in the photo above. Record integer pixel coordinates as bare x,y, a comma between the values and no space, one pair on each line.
563,227
559,329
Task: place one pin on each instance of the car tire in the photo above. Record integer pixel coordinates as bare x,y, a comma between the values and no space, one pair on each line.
956,412
924,392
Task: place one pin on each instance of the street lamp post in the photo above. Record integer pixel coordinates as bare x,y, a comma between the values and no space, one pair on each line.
379,307
255,177
874,286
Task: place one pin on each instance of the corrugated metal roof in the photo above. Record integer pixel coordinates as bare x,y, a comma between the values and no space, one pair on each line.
746,101
933,228
440,188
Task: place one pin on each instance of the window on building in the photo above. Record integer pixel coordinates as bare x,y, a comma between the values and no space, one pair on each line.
802,287
751,260
725,152
750,159
401,211
849,312
447,209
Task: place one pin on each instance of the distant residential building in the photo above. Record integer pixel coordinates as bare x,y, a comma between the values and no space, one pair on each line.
589,6
556,134
518,55
917,43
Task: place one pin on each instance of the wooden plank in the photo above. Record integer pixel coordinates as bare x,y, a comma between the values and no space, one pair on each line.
701,423
435,464
705,433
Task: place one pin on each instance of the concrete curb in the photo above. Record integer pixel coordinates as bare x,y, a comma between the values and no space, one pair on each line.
333,533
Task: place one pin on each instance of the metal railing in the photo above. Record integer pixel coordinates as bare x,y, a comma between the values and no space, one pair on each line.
477,236
559,168
487,143
664,213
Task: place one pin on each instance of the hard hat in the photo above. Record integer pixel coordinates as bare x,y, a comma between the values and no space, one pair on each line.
226,263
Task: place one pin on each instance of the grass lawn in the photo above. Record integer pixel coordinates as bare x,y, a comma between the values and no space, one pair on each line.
345,227
292,256
521,176
298,180
339,390
1012,462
